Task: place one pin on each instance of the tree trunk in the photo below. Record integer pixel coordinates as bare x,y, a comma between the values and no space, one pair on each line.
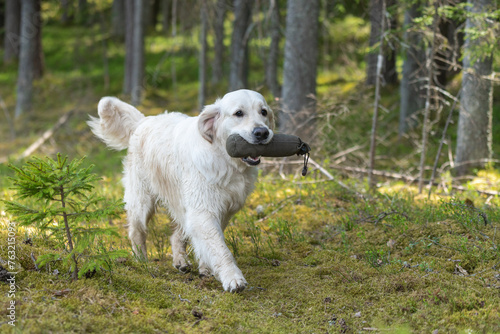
272,60
474,137
299,79
151,9
39,65
138,53
118,19
129,47
375,14
165,14
239,44
373,137
411,89
83,15
390,73
26,58
173,71
202,66
2,18
65,15
217,66
155,9
389,64
426,126
12,30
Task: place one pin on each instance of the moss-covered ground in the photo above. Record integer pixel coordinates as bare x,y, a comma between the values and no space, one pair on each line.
318,258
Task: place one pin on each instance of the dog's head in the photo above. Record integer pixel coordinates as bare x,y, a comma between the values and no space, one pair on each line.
243,112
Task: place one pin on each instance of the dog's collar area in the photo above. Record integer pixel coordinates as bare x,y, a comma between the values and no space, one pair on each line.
252,161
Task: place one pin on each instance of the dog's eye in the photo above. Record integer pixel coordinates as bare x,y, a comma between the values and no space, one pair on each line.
264,112
239,113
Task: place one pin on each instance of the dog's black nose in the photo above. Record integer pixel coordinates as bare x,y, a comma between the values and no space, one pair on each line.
261,133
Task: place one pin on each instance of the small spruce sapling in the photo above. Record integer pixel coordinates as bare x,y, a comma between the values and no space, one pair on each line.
62,202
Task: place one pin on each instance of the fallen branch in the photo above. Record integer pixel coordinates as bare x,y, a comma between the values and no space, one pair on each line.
331,178
315,164
385,214
281,206
408,178
45,136
390,175
346,152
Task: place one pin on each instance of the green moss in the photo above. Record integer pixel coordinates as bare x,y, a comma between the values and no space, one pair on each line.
325,278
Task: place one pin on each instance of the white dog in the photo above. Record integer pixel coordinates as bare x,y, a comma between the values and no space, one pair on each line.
182,163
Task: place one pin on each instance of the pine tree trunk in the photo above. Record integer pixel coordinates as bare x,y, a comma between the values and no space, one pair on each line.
299,79
83,16
217,66
448,61
390,73
26,58
12,30
138,53
165,14
272,59
474,137
39,65
2,18
373,137
129,47
65,11
411,89
239,44
118,19
371,59
202,66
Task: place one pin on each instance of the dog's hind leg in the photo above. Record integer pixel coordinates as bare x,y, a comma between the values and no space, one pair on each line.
140,207
178,243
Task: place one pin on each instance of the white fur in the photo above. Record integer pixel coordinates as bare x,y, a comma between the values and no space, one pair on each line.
182,163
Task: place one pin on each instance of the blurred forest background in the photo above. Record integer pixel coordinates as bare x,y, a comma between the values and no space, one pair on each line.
375,84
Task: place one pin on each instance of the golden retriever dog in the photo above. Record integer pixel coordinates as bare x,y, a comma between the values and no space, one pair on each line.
181,162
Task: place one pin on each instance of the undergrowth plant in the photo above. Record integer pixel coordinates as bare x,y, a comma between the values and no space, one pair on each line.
59,200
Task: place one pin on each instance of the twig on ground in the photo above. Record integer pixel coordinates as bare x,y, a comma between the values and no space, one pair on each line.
184,300
34,261
330,177
281,206
45,136
385,214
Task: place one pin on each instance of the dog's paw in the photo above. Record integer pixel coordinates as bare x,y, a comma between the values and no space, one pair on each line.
236,285
204,271
182,265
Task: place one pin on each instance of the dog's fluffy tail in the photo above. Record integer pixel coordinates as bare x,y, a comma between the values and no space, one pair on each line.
116,123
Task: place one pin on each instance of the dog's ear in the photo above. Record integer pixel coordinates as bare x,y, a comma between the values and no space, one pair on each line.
208,120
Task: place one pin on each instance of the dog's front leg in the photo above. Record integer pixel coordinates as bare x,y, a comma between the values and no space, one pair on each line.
207,240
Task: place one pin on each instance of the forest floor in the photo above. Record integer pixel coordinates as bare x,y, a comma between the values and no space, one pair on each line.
318,257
